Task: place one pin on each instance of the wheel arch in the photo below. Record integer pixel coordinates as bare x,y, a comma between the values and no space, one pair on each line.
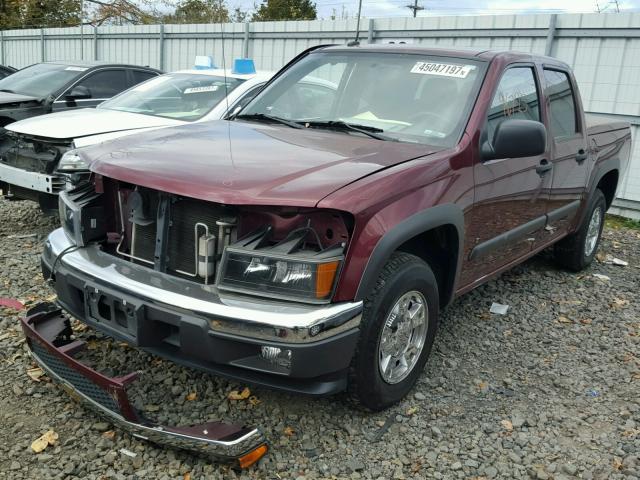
608,184
428,228
603,171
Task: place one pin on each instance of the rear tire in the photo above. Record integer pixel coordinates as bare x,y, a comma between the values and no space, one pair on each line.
398,327
577,251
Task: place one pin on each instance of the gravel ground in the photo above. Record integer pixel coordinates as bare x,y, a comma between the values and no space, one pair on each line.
550,390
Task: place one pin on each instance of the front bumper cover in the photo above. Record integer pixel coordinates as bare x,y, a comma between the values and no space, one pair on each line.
200,327
49,337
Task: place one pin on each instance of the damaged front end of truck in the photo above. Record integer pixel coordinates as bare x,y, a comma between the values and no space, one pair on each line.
239,291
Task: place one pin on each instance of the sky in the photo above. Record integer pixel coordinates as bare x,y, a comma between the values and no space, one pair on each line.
396,8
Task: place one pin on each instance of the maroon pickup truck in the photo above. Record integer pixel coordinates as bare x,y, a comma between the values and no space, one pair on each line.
309,243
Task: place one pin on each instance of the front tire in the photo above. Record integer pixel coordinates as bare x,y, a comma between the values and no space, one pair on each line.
577,251
398,327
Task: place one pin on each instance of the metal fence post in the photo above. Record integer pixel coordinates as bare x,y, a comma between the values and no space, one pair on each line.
95,43
551,33
371,31
1,47
42,45
245,40
161,46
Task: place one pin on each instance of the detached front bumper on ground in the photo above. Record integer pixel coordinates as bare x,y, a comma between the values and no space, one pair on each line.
50,340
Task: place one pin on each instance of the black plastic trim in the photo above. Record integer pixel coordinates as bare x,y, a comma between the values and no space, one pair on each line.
508,237
563,212
421,222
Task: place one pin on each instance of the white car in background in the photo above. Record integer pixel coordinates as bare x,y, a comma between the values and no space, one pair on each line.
38,157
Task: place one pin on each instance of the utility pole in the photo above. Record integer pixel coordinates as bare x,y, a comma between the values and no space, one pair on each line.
415,7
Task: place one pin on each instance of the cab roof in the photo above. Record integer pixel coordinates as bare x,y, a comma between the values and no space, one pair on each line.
468,53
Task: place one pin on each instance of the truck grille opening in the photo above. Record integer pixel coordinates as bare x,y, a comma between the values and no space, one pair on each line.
196,232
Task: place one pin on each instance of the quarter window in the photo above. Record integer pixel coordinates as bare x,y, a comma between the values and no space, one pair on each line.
562,107
516,97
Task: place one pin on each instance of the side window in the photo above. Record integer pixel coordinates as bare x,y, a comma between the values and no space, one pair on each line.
516,97
562,107
140,76
105,83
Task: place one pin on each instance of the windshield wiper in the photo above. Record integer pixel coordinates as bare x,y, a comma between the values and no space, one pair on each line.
269,118
372,132
6,90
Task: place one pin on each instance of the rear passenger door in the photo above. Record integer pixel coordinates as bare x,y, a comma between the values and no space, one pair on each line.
569,148
511,194
101,85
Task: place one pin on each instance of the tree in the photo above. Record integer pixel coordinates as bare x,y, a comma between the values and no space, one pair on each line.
121,12
285,10
199,11
239,15
39,13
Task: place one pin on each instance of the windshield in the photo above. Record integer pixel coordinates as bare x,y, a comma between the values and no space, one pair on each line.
405,97
182,96
41,79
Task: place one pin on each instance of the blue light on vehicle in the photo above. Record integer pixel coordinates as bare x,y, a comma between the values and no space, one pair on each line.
204,62
243,66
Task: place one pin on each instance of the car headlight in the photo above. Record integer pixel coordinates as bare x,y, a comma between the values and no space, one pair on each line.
71,161
82,215
290,277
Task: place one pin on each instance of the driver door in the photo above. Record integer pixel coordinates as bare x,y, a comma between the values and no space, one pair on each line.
511,194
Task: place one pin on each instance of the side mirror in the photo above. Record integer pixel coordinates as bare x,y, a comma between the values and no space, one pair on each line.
78,93
514,139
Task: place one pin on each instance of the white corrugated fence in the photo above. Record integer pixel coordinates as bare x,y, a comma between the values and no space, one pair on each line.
603,49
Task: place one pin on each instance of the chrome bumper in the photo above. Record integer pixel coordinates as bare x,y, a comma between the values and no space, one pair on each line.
40,182
49,334
243,316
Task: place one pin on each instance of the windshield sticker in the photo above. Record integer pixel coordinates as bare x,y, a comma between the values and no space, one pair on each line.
76,69
442,69
210,88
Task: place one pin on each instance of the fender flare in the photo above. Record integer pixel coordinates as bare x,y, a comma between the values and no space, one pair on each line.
598,173
418,223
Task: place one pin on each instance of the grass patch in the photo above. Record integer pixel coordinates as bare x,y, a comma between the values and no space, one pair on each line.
615,222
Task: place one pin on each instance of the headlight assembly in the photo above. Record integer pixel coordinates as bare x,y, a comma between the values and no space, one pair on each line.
82,215
295,277
71,161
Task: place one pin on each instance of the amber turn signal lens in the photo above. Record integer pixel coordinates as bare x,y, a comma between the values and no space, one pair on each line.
252,457
325,276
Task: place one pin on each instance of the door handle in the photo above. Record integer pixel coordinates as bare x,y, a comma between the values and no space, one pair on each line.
544,167
581,156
